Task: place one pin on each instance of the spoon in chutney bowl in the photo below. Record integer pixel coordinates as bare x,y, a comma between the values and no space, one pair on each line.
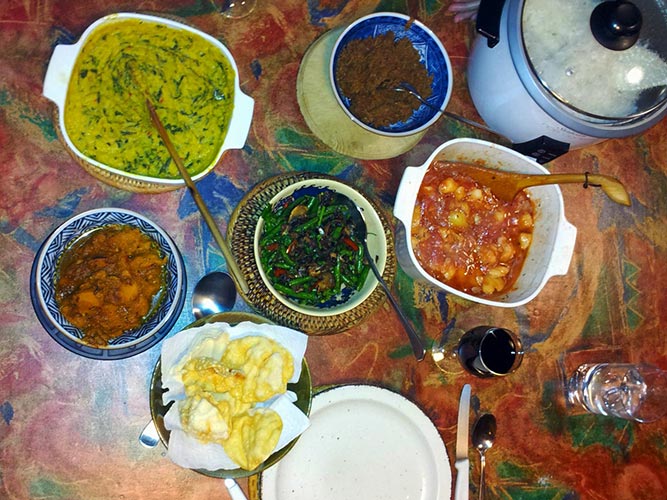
410,89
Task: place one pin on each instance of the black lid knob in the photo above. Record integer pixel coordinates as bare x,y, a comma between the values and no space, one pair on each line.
616,24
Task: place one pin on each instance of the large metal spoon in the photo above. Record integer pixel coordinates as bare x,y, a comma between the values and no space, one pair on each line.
406,87
362,233
506,185
214,293
483,437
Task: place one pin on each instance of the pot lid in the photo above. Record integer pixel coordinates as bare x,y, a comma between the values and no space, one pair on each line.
603,58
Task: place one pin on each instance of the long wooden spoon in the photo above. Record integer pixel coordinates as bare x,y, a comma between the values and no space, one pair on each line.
232,266
506,185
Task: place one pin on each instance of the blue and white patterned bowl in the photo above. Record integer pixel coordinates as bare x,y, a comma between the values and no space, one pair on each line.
432,55
133,342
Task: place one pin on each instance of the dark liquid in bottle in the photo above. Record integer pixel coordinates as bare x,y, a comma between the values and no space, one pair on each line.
487,354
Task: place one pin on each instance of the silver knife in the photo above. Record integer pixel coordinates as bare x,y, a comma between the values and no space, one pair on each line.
462,463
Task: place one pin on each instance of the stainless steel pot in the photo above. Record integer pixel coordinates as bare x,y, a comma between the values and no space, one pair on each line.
559,75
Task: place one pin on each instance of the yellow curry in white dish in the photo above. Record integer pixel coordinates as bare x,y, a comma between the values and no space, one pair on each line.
189,80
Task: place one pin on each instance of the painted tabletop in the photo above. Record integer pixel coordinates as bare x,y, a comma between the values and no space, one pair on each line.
69,424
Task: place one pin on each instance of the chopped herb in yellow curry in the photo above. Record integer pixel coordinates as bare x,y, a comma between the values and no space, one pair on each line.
189,80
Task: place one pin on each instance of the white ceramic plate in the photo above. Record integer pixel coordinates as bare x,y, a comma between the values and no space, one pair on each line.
364,442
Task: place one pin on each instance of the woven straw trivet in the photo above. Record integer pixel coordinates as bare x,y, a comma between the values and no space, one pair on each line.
241,234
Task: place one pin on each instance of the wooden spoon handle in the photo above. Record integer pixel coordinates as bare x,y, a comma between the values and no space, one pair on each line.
610,185
232,266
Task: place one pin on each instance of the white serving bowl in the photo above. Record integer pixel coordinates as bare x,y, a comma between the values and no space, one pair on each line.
432,55
376,241
59,74
553,236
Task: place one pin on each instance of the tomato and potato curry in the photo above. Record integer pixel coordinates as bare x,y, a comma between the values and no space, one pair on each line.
109,281
467,238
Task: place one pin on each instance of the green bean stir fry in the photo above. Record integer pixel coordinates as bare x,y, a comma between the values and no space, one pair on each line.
309,250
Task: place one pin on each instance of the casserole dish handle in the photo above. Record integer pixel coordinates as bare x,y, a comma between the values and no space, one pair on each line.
406,195
240,125
563,249
58,73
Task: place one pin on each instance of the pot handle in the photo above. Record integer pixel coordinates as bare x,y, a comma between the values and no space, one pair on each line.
488,20
58,73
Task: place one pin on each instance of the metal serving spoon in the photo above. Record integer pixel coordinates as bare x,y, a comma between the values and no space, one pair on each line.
408,88
483,437
362,232
214,293
506,185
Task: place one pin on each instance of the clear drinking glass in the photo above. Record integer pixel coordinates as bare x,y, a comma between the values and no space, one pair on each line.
484,351
237,8
630,391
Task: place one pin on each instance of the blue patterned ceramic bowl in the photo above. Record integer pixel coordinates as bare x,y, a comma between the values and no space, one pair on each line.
42,286
432,55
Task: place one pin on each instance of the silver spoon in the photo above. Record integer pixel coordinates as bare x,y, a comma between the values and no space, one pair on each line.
149,436
406,87
215,293
483,436
362,232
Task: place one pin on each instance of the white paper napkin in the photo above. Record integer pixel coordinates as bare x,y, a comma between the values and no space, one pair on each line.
189,452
